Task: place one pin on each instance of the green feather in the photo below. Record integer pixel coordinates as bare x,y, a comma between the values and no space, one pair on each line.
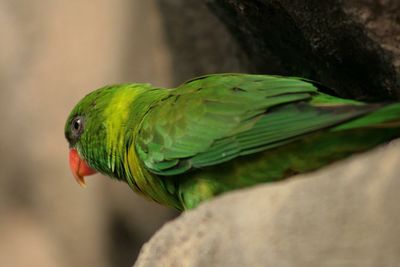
220,132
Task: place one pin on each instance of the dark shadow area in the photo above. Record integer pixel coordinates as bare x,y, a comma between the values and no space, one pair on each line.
313,39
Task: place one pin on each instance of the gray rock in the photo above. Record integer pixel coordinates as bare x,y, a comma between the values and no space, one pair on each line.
350,46
344,215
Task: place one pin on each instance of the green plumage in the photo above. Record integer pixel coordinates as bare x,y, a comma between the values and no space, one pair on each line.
221,132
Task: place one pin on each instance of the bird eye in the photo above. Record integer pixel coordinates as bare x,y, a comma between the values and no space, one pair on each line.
77,126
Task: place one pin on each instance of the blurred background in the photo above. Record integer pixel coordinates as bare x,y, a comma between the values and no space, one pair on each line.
52,53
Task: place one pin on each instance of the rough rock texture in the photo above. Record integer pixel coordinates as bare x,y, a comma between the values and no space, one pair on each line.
351,46
344,215
381,20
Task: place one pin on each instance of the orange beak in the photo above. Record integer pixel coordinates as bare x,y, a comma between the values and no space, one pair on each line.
79,167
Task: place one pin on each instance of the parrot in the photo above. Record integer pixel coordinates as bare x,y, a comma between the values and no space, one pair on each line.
217,133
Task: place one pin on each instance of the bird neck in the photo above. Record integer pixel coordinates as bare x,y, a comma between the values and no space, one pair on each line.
123,162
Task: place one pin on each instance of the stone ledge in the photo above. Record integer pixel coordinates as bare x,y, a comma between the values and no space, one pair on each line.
346,214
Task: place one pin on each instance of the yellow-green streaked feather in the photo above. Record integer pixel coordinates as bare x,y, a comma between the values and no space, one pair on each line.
116,117
138,177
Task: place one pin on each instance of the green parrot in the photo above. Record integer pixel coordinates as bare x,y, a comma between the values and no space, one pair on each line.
217,133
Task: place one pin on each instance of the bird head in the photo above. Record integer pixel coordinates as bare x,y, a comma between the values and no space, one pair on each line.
95,129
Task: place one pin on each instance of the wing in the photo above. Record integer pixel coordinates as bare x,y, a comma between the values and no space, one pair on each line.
215,118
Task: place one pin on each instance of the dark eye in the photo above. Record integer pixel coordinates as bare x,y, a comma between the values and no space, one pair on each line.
77,126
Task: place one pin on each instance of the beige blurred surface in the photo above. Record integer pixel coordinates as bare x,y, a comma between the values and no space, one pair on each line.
52,53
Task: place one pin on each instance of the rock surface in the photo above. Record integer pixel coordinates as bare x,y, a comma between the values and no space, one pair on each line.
344,215
350,46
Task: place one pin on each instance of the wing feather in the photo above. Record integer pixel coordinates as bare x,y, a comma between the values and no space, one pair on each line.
216,118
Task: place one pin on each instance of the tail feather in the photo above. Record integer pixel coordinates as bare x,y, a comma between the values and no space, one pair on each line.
386,117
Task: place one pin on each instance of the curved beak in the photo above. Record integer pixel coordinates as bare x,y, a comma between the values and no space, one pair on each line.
79,167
